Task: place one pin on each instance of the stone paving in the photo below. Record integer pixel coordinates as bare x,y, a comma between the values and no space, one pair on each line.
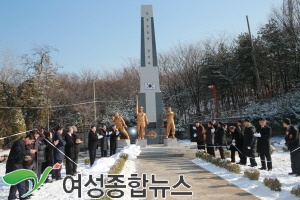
167,164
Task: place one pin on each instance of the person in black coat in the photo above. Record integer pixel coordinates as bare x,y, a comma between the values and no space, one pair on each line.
40,146
263,135
220,139
49,153
18,153
199,133
236,144
58,156
76,149
240,127
104,141
249,145
292,141
210,136
93,143
69,151
113,137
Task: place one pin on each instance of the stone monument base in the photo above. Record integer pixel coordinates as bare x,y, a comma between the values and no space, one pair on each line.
141,143
123,143
170,142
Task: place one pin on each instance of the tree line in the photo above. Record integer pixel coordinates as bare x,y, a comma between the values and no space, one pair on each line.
33,91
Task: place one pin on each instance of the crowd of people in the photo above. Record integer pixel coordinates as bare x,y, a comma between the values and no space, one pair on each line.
40,149
248,141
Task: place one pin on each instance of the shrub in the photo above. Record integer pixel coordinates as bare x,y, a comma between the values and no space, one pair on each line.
227,153
273,184
296,191
285,149
233,168
252,174
87,161
119,164
219,162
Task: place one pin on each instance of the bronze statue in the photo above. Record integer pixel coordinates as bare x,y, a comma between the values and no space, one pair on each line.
141,119
170,123
121,125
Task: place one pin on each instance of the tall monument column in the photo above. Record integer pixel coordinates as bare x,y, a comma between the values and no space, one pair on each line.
150,95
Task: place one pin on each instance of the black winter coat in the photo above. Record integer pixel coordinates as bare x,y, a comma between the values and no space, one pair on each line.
237,138
69,147
113,137
61,146
210,136
104,140
220,137
49,152
76,146
40,146
263,142
16,156
93,141
292,138
249,141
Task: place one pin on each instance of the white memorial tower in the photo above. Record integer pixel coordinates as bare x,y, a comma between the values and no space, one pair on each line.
150,95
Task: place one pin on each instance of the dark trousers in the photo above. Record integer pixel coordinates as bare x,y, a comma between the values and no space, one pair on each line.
21,187
210,149
92,153
112,151
103,153
75,163
232,155
222,154
253,161
39,169
242,157
201,145
45,165
295,161
57,172
69,166
266,158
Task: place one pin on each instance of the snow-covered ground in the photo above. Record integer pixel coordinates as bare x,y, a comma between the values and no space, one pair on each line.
281,168
101,166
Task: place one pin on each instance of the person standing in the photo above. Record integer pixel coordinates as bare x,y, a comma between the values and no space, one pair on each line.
210,136
263,135
220,139
69,151
113,137
240,127
18,153
92,143
40,146
249,145
104,141
49,153
199,134
76,149
58,152
236,144
293,144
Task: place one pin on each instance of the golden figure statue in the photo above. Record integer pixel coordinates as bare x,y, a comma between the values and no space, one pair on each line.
142,120
170,123
120,124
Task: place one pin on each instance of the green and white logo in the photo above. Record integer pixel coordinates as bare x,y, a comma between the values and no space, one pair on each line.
19,175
